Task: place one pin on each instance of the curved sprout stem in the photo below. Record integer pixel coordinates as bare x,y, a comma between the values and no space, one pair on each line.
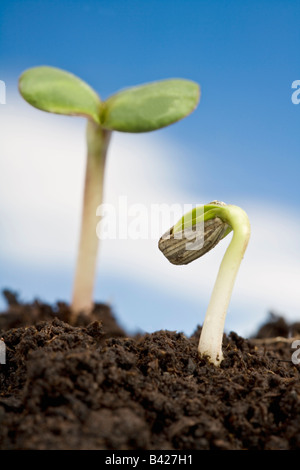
97,143
210,343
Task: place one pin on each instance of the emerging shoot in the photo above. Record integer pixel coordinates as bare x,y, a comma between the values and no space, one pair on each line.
194,235
140,109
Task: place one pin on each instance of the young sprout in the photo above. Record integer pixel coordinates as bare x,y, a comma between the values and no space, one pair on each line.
194,235
140,109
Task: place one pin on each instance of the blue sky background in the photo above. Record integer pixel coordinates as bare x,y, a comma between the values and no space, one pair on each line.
245,56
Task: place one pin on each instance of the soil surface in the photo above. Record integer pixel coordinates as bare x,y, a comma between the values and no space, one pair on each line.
89,386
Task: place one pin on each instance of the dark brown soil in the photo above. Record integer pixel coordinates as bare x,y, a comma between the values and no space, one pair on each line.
88,386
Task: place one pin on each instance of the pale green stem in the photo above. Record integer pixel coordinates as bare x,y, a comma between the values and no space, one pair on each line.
97,144
210,343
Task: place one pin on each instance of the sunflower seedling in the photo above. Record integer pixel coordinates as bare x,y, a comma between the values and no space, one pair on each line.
142,108
194,235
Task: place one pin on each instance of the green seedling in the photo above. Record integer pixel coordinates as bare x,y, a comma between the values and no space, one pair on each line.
194,235
139,109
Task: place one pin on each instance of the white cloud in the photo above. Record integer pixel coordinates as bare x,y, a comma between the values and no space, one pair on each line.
42,160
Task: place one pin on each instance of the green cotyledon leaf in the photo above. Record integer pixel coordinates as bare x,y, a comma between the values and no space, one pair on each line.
151,106
57,91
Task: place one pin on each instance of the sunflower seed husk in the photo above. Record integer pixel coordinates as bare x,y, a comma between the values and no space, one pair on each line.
190,244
